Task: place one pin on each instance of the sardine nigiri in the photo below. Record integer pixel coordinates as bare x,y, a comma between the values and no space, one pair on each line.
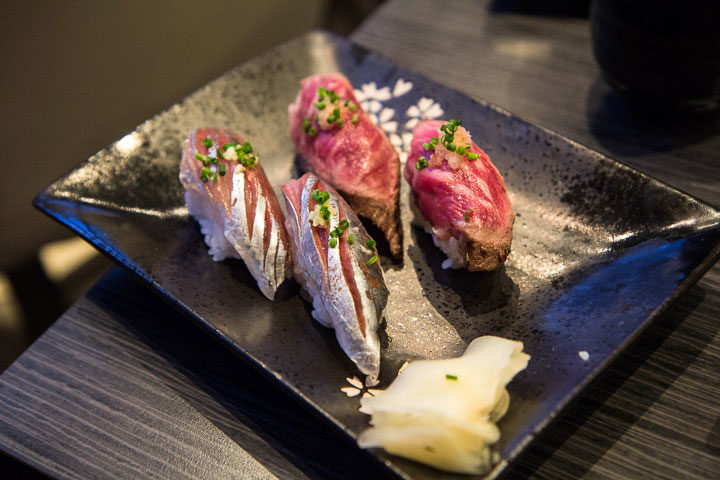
336,262
350,152
461,196
228,193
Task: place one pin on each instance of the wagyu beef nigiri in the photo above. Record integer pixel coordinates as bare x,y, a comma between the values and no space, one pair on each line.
227,192
340,144
336,262
461,196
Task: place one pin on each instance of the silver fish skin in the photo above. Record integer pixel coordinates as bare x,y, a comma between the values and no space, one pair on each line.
239,214
347,294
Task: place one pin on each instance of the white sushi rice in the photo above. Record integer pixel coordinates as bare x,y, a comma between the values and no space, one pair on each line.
212,228
450,247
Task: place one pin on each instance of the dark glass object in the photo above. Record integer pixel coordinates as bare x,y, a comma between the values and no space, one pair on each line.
662,55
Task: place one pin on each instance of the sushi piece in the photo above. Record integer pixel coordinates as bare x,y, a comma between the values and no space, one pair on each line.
460,195
443,413
227,192
337,263
340,144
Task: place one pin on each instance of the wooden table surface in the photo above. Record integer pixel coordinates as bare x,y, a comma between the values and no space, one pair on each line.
123,386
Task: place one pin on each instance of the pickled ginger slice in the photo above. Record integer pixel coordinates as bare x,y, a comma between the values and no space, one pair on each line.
442,412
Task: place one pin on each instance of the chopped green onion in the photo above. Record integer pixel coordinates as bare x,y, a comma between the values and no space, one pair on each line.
372,260
205,174
333,233
203,158
421,163
225,146
324,212
344,224
460,150
451,377
331,118
334,97
353,107
207,142
347,101
312,132
451,147
323,197
214,179
371,243
214,160
339,123
355,119
320,106
306,124
472,156
220,154
333,242
315,194
247,148
221,169
426,146
467,214
321,91
434,140
351,239
467,257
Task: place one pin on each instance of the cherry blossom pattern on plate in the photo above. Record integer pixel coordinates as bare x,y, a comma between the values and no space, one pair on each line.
356,388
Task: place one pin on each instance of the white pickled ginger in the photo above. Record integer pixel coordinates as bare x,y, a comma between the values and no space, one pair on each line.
442,412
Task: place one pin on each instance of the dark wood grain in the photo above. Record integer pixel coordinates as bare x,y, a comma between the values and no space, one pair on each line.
122,386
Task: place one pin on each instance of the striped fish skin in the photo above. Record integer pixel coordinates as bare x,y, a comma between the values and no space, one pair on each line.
239,214
348,294
357,159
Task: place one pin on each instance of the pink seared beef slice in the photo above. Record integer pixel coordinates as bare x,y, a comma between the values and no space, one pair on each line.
357,159
444,194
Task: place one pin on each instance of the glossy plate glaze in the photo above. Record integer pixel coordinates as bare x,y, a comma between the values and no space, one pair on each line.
599,250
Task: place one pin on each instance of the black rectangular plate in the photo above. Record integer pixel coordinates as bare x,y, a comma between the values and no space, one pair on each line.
599,250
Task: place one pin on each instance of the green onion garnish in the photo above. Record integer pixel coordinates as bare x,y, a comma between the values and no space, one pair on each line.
472,156
324,212
320,106
207,142
467,257
353,107
372,260
344,224
467,214
221,169
323,197
333,233
306,124
421,163
371,243
347,101
247,148
333,242
331,118
426,146
351,239
312,132
355,119
339,122
315,194
451,377
321,91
